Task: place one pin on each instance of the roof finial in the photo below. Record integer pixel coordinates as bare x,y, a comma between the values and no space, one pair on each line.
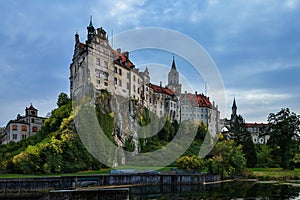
173,63
91,20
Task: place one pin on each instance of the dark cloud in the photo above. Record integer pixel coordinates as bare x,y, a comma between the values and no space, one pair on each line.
254,44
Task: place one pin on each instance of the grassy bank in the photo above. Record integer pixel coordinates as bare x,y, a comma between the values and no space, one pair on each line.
274,174
83,173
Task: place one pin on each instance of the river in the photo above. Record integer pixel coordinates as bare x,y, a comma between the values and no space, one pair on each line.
229,190
226,190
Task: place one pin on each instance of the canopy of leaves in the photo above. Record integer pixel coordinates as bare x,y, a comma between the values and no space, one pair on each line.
284,131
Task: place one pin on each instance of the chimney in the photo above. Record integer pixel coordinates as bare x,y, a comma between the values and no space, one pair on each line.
126,54
160,84
196,93
119,50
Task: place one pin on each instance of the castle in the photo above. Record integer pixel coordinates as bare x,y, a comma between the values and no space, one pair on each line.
96,62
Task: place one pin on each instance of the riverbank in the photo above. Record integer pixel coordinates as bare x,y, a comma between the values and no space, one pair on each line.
266,174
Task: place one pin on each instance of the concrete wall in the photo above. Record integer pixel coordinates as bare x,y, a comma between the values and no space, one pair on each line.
24,186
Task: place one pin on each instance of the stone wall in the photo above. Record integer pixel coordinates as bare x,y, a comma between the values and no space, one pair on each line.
38,186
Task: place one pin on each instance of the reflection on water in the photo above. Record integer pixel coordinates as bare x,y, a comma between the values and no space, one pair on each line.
233,190
229,190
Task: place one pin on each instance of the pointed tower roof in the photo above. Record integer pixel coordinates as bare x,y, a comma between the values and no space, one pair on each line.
91,22
234,104
90,28
31,107
173,63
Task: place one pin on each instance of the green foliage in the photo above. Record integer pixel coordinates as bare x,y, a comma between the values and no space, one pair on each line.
56,148
243,137
60,152
63,99
284,130
129,144
264,158
104,114
190,163
226,158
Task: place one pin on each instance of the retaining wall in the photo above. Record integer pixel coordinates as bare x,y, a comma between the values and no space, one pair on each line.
37,186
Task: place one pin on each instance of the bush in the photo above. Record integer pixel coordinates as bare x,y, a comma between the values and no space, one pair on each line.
190,163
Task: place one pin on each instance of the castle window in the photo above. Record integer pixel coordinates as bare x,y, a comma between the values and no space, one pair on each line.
14,127
116,70
105,83
105,64
23,136
32,120
115,81
133,77
120,82
97,61
98,81
106,76
24,128
128,75
120,71
97,73
34,129
128,86
15,136
161,104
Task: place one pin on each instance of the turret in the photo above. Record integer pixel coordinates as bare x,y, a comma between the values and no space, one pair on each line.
91,31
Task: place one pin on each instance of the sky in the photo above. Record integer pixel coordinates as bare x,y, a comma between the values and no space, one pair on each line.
254,44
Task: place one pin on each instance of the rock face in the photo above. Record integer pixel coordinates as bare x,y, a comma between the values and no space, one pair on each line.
126,115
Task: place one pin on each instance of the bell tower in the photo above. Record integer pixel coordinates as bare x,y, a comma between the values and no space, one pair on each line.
173,80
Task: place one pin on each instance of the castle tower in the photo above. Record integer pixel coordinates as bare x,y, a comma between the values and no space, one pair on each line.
173,80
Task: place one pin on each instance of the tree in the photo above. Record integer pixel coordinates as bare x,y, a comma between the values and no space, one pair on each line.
284,129
243,137
226,158
63,99
263,155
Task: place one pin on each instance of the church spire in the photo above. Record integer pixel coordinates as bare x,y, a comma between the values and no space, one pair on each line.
173,63
234,109
234,104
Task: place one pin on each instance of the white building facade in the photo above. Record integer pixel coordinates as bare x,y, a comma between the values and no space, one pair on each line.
198,108
23,126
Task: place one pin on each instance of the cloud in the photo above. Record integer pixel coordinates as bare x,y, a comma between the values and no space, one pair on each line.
256,104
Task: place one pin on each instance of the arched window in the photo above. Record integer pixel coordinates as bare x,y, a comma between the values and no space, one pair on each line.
24,128
14,127
34,129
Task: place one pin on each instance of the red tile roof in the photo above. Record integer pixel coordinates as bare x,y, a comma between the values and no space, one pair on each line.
248,125
31,107
82,48
198,100
160,89
122,59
